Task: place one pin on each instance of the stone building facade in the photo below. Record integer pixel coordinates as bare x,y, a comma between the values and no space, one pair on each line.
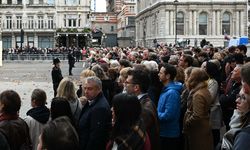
104,28
45,23
169,21
126,12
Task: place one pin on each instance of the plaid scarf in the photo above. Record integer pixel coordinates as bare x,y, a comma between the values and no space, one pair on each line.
134,140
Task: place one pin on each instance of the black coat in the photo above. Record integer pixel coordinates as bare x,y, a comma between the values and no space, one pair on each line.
95,124
56,76
71,60
17,134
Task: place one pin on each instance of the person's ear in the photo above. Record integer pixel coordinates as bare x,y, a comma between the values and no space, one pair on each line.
168,76
246,88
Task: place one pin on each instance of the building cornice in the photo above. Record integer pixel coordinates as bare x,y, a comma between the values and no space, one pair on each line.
160,4
11,6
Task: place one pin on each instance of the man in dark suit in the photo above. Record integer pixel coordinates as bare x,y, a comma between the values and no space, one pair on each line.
71,61
95,118
137,84
56,75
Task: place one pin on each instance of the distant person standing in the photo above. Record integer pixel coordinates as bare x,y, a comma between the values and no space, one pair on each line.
56,75
71,61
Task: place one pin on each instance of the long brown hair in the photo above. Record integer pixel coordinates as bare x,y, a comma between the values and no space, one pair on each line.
197,76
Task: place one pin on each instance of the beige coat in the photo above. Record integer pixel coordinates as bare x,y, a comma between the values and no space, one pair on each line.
196,127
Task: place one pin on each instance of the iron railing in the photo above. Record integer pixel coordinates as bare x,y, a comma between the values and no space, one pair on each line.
34,56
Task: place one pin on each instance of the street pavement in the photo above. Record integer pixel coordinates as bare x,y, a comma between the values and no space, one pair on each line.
25,76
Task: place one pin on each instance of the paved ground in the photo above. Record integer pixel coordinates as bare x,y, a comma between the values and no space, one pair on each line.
25,76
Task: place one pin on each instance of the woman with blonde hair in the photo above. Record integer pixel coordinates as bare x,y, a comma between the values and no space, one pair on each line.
66,89
84,74
107,83
122,77
196,128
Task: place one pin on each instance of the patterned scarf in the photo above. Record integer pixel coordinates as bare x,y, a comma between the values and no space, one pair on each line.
134,140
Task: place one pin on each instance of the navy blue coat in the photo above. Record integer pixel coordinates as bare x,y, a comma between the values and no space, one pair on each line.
95,124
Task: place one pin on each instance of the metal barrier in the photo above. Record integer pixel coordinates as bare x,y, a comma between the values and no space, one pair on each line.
34,56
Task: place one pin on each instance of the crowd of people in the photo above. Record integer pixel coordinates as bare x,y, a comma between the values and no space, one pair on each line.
138,99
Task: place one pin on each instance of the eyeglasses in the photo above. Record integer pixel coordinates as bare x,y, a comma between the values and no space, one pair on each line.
242,97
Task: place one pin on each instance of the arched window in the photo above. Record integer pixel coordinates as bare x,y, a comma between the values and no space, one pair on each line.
203,24
180,23
226,23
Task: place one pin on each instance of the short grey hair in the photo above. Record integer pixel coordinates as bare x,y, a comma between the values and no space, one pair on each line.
94,79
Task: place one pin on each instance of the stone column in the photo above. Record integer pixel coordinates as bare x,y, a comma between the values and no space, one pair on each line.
237,23
35,40
190,23
195,23
171,22
13,44
167,23
218,22
214,24
25,39
242,25
210,26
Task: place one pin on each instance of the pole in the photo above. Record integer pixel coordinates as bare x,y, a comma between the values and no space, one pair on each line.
1,46
22,38
1,52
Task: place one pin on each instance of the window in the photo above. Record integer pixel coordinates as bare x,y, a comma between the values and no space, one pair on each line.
45,42
19,2
132,9
9,1
71,2
248,16
51,2
112,28
226,23
19,22
31,2
50,22
0,1
7,40
79,20
180,23
9,22
30,22
203,24
71,22
131,21
106,18
64,21
40,22
40,1
92,18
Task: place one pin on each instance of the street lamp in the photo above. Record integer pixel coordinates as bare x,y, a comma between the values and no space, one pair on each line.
175,3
